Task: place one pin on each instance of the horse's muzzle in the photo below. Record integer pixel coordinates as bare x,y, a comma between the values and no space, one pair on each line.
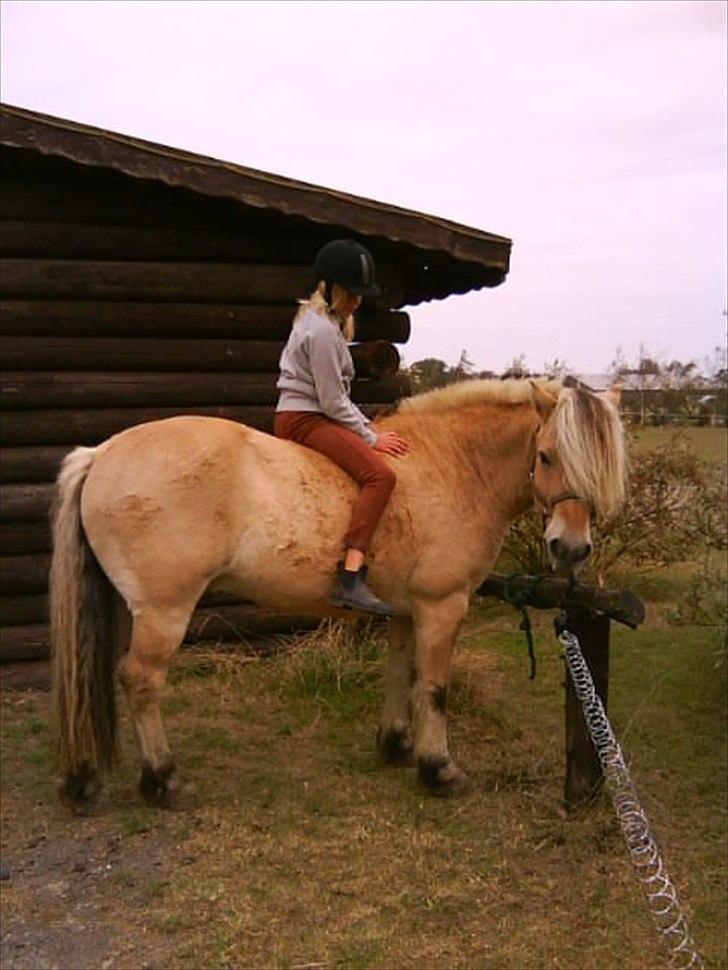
566,558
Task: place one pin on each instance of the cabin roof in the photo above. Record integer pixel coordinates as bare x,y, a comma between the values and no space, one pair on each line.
438,257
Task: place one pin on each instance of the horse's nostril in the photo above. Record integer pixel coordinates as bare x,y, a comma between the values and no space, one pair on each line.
555,548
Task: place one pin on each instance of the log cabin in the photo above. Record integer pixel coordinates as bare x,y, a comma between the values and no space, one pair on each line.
140,281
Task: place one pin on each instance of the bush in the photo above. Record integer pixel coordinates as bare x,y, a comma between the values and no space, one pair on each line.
675,510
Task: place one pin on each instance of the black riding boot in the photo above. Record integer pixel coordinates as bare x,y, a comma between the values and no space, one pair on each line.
350,592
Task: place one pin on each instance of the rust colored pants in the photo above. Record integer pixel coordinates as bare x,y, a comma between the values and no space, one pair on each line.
355,456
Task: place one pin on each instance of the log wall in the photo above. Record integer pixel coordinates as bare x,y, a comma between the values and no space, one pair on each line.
126,301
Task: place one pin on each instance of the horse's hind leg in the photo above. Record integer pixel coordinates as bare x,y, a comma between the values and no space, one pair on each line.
156,636
393,737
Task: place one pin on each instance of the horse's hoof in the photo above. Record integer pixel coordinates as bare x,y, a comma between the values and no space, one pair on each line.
441,776
394,746
80,791
161,788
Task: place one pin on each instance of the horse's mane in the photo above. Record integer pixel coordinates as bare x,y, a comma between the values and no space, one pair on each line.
471,392
587,429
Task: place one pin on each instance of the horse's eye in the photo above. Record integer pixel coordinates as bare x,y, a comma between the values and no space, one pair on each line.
544,459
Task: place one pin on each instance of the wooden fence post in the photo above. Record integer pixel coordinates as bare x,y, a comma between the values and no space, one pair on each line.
583,771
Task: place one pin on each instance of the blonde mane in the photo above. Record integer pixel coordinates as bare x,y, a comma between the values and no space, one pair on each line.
587,430
590,444
467,393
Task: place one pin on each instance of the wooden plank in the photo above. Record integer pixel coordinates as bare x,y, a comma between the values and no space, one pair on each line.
89,318
19,538
21,575
25,390
25,503
38,463
121,280
89,428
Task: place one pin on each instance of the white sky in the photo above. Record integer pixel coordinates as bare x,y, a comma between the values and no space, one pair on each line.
591,133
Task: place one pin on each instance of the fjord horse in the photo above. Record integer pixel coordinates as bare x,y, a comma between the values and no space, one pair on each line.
154,516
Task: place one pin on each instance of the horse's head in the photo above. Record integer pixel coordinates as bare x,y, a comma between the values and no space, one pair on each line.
578,469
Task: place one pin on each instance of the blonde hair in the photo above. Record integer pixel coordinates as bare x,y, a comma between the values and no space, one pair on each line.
317,302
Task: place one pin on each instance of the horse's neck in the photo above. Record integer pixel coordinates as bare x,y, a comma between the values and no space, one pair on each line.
492,447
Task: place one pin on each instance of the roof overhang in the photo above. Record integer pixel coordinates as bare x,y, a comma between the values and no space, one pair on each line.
439,257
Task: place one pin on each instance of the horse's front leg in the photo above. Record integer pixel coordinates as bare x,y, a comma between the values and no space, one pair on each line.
393,737
437,623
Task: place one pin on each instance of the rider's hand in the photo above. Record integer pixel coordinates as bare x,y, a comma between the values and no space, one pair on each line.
390,443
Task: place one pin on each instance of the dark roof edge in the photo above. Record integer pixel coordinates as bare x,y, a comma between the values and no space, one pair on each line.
85,144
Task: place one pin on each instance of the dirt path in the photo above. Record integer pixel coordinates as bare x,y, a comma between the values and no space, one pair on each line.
64,879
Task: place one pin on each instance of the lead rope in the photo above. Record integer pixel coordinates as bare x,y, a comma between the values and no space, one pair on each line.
519,601
646,859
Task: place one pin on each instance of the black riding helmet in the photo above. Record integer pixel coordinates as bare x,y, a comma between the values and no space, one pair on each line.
348,263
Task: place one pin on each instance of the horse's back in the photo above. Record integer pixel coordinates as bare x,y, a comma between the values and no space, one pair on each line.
177,503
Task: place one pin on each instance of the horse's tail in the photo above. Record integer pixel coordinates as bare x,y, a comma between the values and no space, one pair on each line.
85,642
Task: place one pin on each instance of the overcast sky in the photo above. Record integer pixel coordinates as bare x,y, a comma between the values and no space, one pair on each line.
593,134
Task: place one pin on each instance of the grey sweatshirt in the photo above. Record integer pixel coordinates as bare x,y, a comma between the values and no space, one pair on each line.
316,373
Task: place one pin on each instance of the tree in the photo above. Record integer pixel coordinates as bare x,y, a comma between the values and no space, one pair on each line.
427,374
517,368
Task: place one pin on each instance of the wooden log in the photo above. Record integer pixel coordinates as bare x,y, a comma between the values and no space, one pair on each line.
28,642
231,623
25,503
546,592
209,320
89,428
25,390
115,199
38,463
583,771
70,279
377,359
24,643
264,283
68,240
128,354
21,575
23,610
20,538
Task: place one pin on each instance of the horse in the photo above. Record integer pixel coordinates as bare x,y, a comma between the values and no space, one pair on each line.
147,521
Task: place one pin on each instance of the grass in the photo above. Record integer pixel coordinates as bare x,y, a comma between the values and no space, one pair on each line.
710,444
302,850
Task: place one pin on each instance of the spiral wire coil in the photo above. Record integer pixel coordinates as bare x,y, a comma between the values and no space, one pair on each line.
651,872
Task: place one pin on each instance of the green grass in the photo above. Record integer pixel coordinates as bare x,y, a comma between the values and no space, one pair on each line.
710,444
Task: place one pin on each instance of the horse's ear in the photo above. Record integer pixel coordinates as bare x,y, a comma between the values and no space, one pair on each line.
543,400
613,394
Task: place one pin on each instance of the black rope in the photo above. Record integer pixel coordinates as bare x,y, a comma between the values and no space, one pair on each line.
520,600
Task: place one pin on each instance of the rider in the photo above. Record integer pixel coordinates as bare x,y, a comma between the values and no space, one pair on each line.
314,408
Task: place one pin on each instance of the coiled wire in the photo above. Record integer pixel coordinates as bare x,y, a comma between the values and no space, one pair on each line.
661,894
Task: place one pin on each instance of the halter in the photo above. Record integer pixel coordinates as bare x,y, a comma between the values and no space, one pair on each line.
547,504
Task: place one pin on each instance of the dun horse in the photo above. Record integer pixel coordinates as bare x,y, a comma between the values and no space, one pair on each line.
157,514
